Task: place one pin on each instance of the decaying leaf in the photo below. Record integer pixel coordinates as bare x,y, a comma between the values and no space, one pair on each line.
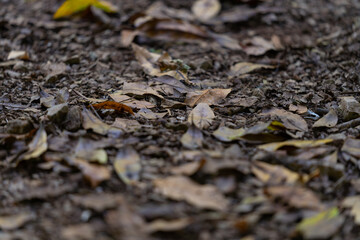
159,65
188,169
127,165
209,96
329,120
78,231
294,196
182,188
93,173
97,201
352,147
11,222
294,143
204,10
161,225
127,125
290,120
274,174
201,116
137,89
148,114
247,67
258,46
321,226
353,202
130,101
90,121
38,145
119,107
70,7
193,138
85,150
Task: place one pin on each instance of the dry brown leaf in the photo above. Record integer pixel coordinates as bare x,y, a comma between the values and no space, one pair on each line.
93,173
290,120
182,188
23,55
188,169
90,121
258,46
161,225
137,89
299,109
274,174
37,146
97,201
209,96
294,143
353,202
193,138
297,197
11,222
127,125
78,231
127,165
119,107
201,116
204,10
329,120
148,114
352,147
130,101
247,67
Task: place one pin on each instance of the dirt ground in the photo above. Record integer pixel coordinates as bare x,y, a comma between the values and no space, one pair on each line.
218,153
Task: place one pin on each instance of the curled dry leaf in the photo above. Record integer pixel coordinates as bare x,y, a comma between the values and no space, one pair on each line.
23,55
38,145
70,7
290,120
329,120
193,138
161,225
258,46
188,169
90,121
159,65
294,143
11,222
274,174
204,10
182,188
247,67
294,196
322,225
201,116
119,107
209,96
127,165
86,150
93,173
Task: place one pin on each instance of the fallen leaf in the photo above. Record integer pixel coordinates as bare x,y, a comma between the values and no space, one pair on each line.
321,226
353,202
247,67
182,188
188,169
130,101
294,143
78,231
119,107
290,120
294,196
209,96
38,145
85,150
193,138
329,120
97,201
127,165
161,225
23,55
201,116
70,7
90,121
11,222
93,173
148,114
204,10
299,109
274,174
258,46
159,65
352,147
127,125
137,89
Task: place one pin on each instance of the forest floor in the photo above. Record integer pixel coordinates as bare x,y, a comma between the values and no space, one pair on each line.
248,128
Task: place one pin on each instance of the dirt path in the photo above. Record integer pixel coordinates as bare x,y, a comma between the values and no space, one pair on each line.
254,132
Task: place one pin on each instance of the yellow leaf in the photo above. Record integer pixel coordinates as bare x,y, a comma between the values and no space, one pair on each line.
294,143
70,7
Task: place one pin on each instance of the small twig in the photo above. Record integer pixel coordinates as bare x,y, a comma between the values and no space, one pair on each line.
353,123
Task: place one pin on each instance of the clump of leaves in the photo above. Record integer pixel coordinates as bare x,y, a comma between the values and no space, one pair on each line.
70,7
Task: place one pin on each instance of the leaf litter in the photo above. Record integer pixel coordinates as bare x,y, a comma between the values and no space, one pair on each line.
235,119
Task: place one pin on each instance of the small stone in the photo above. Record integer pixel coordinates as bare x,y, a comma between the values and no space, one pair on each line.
58,112
349,108
19,126
73,119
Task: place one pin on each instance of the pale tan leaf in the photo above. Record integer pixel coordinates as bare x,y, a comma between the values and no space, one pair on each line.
209,96
201,116
38,144
329,120
204,10
247,67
